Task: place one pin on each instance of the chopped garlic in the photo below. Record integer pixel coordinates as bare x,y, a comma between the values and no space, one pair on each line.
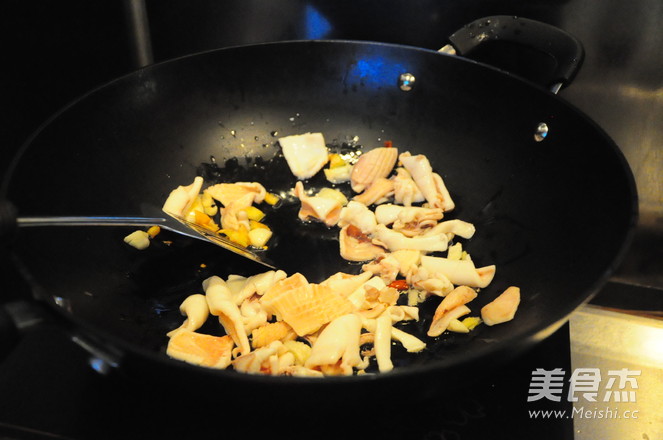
272,199
455,252
300,350
259,237
240,236
412,297
255,225
457,326
339,174
471,322
254,213
209,205
138,239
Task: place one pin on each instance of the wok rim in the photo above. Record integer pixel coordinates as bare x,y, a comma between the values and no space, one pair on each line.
515,344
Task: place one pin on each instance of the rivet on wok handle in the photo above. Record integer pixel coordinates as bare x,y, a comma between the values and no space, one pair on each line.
406,82
541,132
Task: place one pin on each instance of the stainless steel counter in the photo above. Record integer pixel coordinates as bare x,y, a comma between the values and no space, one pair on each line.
610,341
620,87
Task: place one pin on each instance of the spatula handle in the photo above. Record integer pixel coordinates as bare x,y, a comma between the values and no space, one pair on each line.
88,221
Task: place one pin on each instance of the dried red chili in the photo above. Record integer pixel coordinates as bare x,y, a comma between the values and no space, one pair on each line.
399,285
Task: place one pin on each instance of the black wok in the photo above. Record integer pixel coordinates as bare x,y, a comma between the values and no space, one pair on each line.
555,215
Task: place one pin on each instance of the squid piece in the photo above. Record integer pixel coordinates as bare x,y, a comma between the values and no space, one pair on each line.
435,284
406,191
386,268
305,307
388,213
456,227
195,308
306,154
395,214
409,221
258,284
344,284
234,215
411,343
388,295
408,259
218,288
440,325
375,164
431,184
259,361
459,272
222,304
403,313
401,262
357,214
461,295
200,349
338,343
394,240
356,246
301,371
180,199
325,209
253,313
382,344
282,363
246,192
503,308
372,309
379,190
235,283
358,297
332,193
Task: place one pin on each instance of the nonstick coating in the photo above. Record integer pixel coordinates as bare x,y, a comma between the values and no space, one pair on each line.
554,216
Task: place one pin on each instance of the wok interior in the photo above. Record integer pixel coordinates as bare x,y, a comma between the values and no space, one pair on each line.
553,215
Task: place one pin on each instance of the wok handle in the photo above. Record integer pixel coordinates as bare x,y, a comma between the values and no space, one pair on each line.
564,48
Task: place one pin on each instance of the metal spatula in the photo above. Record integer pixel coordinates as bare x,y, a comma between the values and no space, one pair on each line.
153,216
